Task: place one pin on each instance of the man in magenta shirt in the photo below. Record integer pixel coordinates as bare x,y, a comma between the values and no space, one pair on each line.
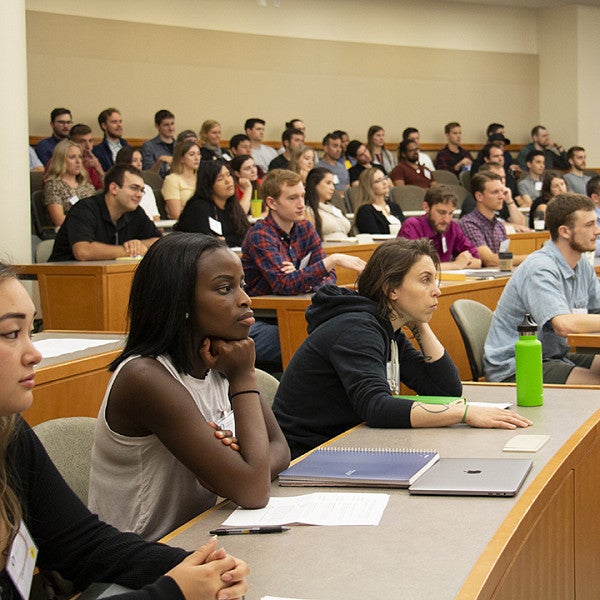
455,249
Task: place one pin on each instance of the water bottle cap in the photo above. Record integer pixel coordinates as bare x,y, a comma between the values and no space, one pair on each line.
528,326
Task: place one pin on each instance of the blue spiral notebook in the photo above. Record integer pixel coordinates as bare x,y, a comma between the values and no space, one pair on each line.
359,467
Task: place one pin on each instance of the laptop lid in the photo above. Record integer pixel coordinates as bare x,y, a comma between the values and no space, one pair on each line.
473,477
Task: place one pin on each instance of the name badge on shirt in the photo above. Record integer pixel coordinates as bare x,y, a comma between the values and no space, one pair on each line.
337,212
537,186
215,226
336,179
304,262
427,173
20,562
580,311
444,244
73,200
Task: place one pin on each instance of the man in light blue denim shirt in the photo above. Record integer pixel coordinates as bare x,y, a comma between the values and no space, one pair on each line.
558,287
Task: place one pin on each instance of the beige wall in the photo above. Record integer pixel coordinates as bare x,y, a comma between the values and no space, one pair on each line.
422,23
200,73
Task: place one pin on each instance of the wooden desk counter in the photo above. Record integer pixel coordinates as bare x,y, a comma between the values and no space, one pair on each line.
292,324
72,385
528,242
541,544
84,295
583,342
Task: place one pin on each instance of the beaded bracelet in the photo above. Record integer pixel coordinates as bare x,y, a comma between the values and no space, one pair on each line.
464,419
244,392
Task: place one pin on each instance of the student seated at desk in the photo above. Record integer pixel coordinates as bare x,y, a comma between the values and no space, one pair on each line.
558,287
214,208
356,356
455,250
188,362
328,220
109,225
282,254
69,538
375,213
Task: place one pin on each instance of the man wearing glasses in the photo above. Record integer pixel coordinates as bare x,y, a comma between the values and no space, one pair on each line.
61,122
110,225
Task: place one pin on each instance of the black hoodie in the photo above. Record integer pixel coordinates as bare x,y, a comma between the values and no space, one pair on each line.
338,376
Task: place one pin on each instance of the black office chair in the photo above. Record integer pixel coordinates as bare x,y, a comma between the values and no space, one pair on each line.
473,320
41,225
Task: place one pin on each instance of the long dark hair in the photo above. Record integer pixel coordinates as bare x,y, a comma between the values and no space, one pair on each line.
549,177
205,181
10,507
313,179
162,299
388,266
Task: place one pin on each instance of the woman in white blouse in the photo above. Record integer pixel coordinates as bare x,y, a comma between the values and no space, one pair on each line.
329,220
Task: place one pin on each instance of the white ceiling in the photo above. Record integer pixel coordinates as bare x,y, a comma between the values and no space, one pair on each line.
530,3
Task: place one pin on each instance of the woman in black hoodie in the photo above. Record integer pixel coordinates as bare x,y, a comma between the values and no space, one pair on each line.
356,355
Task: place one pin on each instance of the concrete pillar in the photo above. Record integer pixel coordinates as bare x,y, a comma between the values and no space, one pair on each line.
15,228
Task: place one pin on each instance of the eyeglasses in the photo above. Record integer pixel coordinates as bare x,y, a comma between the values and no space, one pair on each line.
138,189
381,179
64,122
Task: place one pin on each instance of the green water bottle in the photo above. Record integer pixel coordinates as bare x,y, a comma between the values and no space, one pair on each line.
528,353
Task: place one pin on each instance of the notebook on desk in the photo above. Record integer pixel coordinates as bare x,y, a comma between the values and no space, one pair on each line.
359,467
473,477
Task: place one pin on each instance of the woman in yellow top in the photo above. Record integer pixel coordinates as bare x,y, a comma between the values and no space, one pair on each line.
180,184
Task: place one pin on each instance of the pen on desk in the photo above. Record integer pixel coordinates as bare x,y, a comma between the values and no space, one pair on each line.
233,531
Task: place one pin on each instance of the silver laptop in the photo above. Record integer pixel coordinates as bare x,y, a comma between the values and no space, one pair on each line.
473,477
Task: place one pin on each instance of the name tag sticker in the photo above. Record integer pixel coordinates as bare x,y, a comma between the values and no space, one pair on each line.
580,311
444,245
336,179
73,200
215,226
538,186
304,262
20,562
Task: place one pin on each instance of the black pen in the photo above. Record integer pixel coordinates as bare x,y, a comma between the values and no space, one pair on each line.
266,529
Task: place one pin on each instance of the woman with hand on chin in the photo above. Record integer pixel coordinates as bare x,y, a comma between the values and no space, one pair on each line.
69,538
188,362
302,161
357,356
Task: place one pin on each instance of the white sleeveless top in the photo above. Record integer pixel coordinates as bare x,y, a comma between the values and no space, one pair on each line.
136,484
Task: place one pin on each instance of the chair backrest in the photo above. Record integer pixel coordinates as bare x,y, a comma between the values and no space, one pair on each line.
443,176
43,251
40,218
36,180
267,384
409,197
352,197
154,180
465,180
460,192
473,320
339,200
68,441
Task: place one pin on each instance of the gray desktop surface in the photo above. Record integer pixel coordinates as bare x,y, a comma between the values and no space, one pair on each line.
424,547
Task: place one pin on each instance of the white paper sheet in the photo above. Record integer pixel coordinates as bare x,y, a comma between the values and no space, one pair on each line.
56,347
314,509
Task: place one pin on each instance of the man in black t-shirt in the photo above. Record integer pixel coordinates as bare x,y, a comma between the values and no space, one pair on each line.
110,225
